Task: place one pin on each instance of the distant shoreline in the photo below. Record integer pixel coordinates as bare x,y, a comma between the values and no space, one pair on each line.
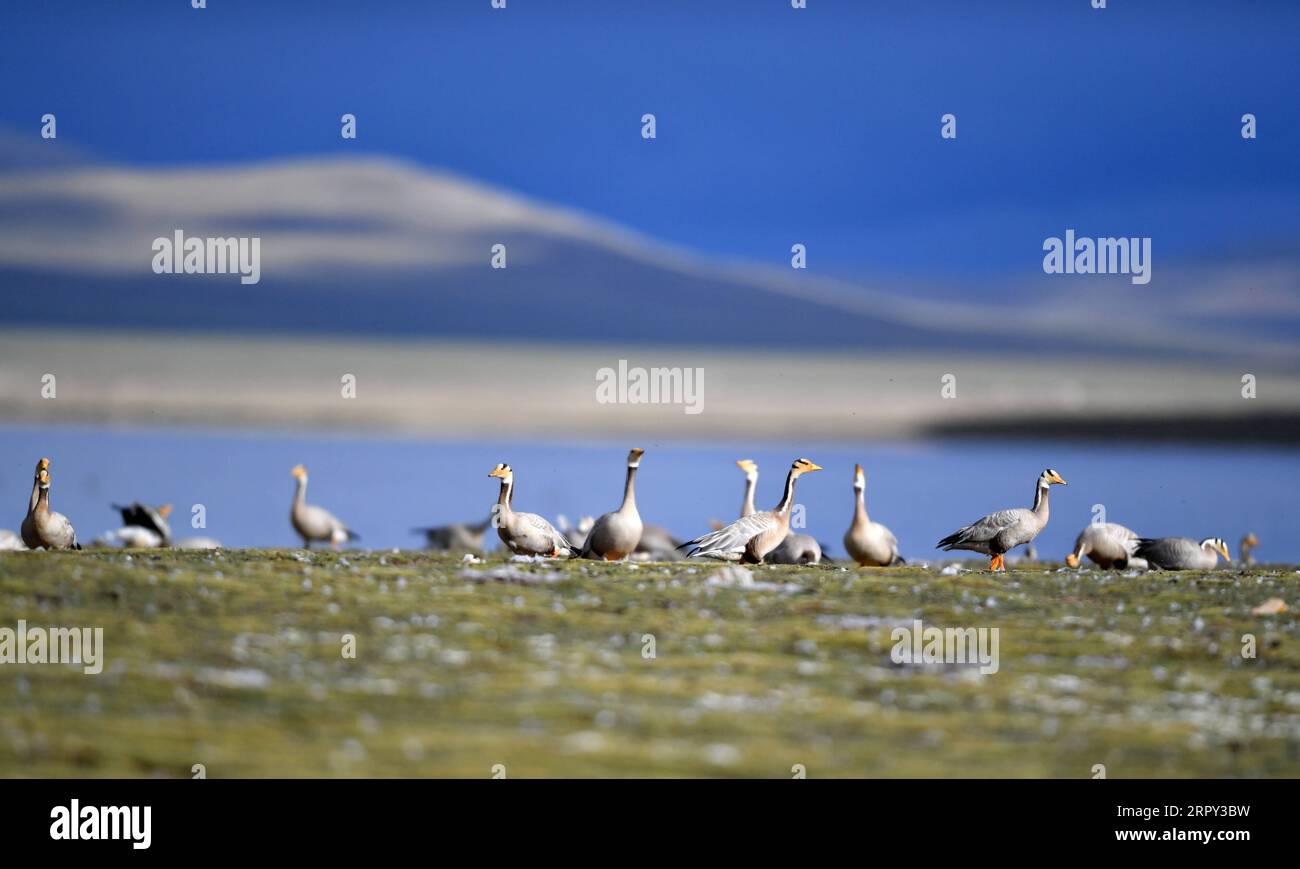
449,390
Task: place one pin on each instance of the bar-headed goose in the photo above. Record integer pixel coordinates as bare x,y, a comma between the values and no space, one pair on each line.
1247,548
658,544
456,537
796,549
315,523
1183,553
143,527
615,535
28,529
1108,545
998,533
53,530
869,543
751,538
525,533
750,467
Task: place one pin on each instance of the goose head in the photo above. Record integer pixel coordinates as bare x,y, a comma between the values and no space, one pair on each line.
1248,541
1214,544
43,478
299,473
804,466
165,510
42,465
750,467
504,472
1049,477
634,457
859,478
1072,560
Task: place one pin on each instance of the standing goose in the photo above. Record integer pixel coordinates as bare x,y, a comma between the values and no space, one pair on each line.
751,482
869,543
525,533
1247,548
315,523
1107,545
53,530
1183,553
751,538
998,533
28,529
616,535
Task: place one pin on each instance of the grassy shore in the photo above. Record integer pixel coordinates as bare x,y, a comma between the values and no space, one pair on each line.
235,660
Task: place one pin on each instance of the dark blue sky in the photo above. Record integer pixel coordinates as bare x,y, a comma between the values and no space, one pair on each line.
775,125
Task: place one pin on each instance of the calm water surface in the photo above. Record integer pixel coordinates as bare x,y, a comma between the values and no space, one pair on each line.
383,487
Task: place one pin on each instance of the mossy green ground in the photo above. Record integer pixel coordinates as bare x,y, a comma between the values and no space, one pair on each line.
234,660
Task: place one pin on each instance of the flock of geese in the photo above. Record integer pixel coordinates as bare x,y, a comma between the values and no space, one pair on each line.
756,537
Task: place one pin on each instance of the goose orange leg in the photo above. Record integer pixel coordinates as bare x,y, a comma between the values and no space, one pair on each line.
997,563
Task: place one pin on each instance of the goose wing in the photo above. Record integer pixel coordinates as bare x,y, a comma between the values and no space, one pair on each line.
731,539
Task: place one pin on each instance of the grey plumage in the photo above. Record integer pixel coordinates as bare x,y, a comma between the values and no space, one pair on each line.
1183,553
1000,532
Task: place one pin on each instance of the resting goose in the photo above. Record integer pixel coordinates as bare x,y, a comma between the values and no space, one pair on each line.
616,535
869,543
315,523
1107,545
143,526
53,530
575,534
456,537
658,544
1000,532
1183,553
198,543
28,529
795,548
751,538
525,533
1247,547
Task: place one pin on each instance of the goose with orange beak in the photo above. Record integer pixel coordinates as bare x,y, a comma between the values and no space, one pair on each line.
53,530
868,543
525,533
28,529
998,533
315,524
751,538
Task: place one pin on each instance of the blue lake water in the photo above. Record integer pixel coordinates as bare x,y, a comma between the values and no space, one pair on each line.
382,487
